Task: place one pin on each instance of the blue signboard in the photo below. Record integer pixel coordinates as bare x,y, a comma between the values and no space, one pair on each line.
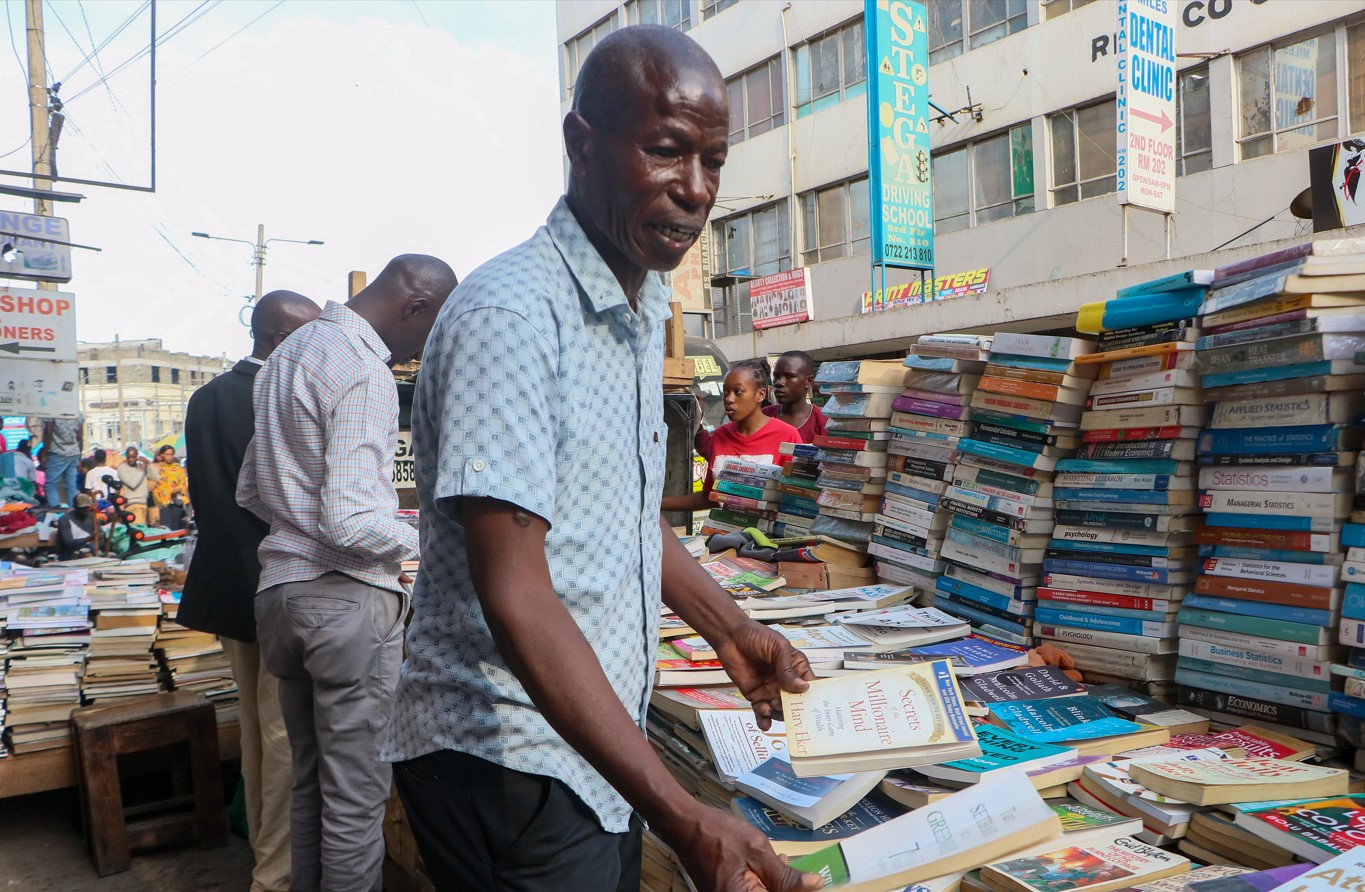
901,187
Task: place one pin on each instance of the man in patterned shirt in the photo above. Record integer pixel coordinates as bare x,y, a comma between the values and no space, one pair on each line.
539,437
330,605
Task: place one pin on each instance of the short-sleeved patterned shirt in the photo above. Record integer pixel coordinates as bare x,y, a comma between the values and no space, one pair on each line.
539,387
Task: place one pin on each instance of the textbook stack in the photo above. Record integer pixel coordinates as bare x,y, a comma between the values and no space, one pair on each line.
928,419
125,609
1122,553
852,458
745,495
49,611
1025,410
1277,363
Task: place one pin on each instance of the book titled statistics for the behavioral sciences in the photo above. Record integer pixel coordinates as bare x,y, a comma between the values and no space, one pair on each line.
889,718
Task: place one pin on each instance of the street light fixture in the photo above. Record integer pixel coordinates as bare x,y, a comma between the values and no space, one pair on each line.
258,249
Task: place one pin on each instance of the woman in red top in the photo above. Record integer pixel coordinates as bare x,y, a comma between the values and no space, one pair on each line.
748,434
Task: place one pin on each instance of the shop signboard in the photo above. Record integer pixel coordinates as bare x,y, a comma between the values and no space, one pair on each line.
404,463
1336,172
901,194
34,247
973,281
38,353
781,299
1146,104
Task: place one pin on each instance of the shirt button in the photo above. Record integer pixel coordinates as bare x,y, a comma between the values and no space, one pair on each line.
479,464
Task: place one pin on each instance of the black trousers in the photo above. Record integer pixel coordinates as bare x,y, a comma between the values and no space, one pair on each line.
485,828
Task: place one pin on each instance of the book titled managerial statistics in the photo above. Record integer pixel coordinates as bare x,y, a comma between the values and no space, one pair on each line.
889,718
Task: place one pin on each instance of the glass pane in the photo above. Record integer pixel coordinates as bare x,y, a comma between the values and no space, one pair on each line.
802,63
1064,196
736,90
767,242
1355,76
824,63
1306,82
1063,149
647,12
1303,137
832,228
855,54
737,238
759,96
777,83
1254,83
991,172
950,185
1194,133
950,224
1021,160
1098,187
809,222
999,212
1196,163
720,246
675,14
988,21
1255,148
945,26
859,211
1095,144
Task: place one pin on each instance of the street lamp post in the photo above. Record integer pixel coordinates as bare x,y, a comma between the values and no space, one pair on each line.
258,250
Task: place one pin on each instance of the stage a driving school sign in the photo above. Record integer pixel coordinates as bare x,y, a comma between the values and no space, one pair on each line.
898,134
1146,104
34,247
37,353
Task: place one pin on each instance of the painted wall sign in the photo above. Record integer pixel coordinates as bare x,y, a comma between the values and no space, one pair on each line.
1146,104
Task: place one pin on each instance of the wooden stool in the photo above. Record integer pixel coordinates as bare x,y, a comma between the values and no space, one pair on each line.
103,733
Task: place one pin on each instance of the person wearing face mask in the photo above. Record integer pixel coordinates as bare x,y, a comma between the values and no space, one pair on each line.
749,433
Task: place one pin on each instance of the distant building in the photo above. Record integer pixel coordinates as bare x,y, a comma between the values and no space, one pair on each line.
133,393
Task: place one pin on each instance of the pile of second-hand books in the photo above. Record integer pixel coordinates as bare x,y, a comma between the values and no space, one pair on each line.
47,620
1277,361
125,608
1122,554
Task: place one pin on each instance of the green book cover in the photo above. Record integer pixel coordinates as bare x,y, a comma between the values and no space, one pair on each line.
1078,816
1260,676
829,864
1250,625
740,489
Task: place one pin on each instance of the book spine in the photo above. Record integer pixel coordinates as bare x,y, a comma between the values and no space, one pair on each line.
1156,396
1125,664
986,581
1253,708
1256,675
1015,387
1257,643
1102,599
1113,520
1149,449
1235,501
1005,535
965,476
1290,594
1003,552
1310,700
913,406
1036,345
1099,570
1250,659
958,588
926,424
1112,480
1284,329
1144,337
977,616
1259,374
999,453
1067,533
1226,298
1270,479
1303,574
1290,411
1277,460
1012,405
1250,625
1007,501
976,512
1271,522
1120,642
1122,625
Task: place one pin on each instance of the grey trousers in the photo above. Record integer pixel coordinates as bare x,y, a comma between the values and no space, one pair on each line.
335,644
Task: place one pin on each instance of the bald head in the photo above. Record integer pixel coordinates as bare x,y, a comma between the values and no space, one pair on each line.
402,302
275,317
643,55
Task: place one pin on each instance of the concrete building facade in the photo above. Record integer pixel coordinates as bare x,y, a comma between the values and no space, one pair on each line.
1024,166
133,393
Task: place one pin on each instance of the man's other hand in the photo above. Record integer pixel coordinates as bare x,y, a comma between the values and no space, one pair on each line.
763,664
724,854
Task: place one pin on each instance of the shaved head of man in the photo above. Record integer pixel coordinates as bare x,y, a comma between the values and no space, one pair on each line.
402,302
275,317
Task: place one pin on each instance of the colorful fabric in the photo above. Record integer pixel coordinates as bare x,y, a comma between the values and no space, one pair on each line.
173,481
327,422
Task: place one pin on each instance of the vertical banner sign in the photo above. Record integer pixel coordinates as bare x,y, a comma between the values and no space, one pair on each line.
1146,104
902,193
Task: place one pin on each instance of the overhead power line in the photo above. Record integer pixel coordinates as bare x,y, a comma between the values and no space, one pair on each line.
190,18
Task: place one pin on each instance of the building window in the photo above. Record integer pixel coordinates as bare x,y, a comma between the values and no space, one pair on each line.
748,245
576,50
1355,76
758,100
978,21
85,375
1193,134
1083,152
834,222
156,374
831,68
1054,8
991,179
676,14
715,7
1288,96
111,374
175,376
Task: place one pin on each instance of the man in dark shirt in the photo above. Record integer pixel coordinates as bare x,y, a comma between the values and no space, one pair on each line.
220,590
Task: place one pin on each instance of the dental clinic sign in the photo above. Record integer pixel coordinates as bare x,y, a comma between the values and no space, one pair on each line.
1146,103
902,193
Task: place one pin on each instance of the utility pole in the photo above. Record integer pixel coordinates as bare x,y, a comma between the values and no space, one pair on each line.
260,258
37,105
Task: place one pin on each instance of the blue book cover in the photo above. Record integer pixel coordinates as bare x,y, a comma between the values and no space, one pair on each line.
1001,749
1116,572
1195,281
1008,454
1272,440
1244,292
1042,363
1121,625
799,507
1021,485
1115,466
1267,373
977,527
930,363
1151,616
1060,719
1353,535
804,451
1340,703
1264,554
959,589
872,810
972,615
901,546
1115,496
1299,633
1353,604
1304,615
1269,522
932,438
1260,676
1109,548
909,492
972,650
1309,700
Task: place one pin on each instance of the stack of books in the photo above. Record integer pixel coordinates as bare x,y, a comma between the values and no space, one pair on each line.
125,609
1348,703
928,419
195,661
1025,410
852,470
1122,553
47,617
1277,363
745,495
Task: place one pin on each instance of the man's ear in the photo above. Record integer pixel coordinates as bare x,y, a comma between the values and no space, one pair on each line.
415,307
577,142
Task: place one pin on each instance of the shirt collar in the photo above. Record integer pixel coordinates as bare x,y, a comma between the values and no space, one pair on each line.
253,360
593,275
355,325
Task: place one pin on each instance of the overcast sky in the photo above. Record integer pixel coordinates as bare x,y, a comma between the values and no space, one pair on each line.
377,126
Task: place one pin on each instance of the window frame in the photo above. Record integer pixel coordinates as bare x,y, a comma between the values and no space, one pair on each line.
969,35
850,245
1079,183
778,118
633,8
1272,137
1183,154
569,57
802,63
733,309
1019,204
1053,8
712,8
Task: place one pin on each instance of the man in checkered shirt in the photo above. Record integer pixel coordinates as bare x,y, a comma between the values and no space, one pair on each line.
330,604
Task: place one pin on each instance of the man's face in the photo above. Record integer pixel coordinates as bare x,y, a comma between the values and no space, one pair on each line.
790,381
651,180
131,456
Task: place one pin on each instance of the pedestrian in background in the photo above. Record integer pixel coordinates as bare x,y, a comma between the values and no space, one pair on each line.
330,606
63,443
137,475
220,588
98,477
172,480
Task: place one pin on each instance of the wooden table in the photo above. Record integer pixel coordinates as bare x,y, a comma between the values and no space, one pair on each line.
55,769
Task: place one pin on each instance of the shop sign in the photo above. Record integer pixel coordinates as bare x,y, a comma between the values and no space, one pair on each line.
1146,104
1336,173
38,353
404,463
35,247
901,190
781,299
944,287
